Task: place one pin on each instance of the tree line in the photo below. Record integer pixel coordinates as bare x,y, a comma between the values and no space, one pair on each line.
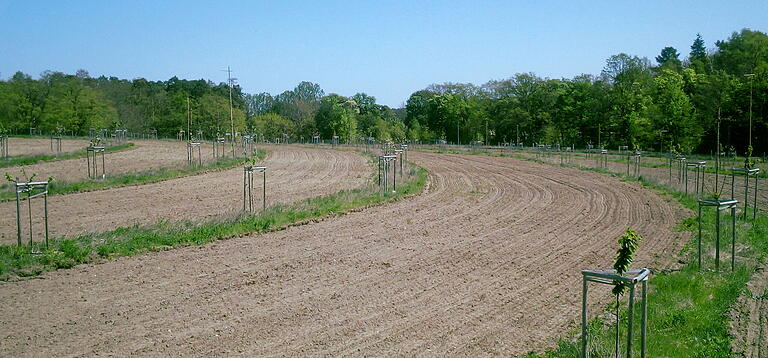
668,104
671,103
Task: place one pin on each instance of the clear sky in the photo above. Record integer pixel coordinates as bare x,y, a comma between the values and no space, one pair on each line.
387,49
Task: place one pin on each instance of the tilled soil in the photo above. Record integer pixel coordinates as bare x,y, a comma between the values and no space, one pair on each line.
40,146
292,174
485,262
661,176
749,318
144,156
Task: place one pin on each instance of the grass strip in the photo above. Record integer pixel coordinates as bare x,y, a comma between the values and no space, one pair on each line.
20,160
128,241
144,177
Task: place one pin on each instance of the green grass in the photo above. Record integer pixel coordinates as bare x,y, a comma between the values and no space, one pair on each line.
128,241
145,177
20,160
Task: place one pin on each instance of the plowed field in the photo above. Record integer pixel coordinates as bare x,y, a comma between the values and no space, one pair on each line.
145,155
292,173
40,146
485,262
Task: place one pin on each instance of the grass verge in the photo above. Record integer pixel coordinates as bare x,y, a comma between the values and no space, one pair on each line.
20,160
145,177
127,241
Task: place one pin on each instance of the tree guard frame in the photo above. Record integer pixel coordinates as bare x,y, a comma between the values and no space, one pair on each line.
247,144
719,205
746,173
700,168
91,154
602,159
632,278
56,144
120,135
681,163
383,172
218,144
29,189
248,187
191,153
633,160
399,154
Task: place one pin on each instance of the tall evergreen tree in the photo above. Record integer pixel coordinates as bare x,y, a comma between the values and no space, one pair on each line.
698,57
669,58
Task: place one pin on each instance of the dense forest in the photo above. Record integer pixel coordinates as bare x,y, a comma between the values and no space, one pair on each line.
669,103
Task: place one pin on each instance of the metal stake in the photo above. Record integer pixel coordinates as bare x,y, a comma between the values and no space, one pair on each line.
631,319
717,240
699,236
584,334
733,238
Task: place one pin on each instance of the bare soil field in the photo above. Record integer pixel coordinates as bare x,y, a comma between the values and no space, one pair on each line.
42,146
749,318
293,174
661,176
145,155
485,262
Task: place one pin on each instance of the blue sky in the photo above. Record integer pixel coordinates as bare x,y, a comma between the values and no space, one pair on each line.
387,49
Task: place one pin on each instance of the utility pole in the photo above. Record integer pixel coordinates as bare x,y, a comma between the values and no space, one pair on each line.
486,132
189,121
599,132
231,116
717,162
750,75
517,127
458,139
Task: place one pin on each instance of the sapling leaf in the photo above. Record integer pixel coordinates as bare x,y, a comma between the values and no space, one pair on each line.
628,244
95,142
748,162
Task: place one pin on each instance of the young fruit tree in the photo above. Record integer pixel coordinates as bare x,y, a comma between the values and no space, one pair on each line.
628,244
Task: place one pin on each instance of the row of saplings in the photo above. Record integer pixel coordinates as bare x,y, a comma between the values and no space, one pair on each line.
624,280
27,188
621,277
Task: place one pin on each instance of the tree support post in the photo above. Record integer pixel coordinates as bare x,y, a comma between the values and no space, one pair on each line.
32,190
248,187
609,277
92,159
746,172
719,205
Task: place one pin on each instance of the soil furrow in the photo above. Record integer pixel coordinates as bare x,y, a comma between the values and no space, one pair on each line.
293,174
485,262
